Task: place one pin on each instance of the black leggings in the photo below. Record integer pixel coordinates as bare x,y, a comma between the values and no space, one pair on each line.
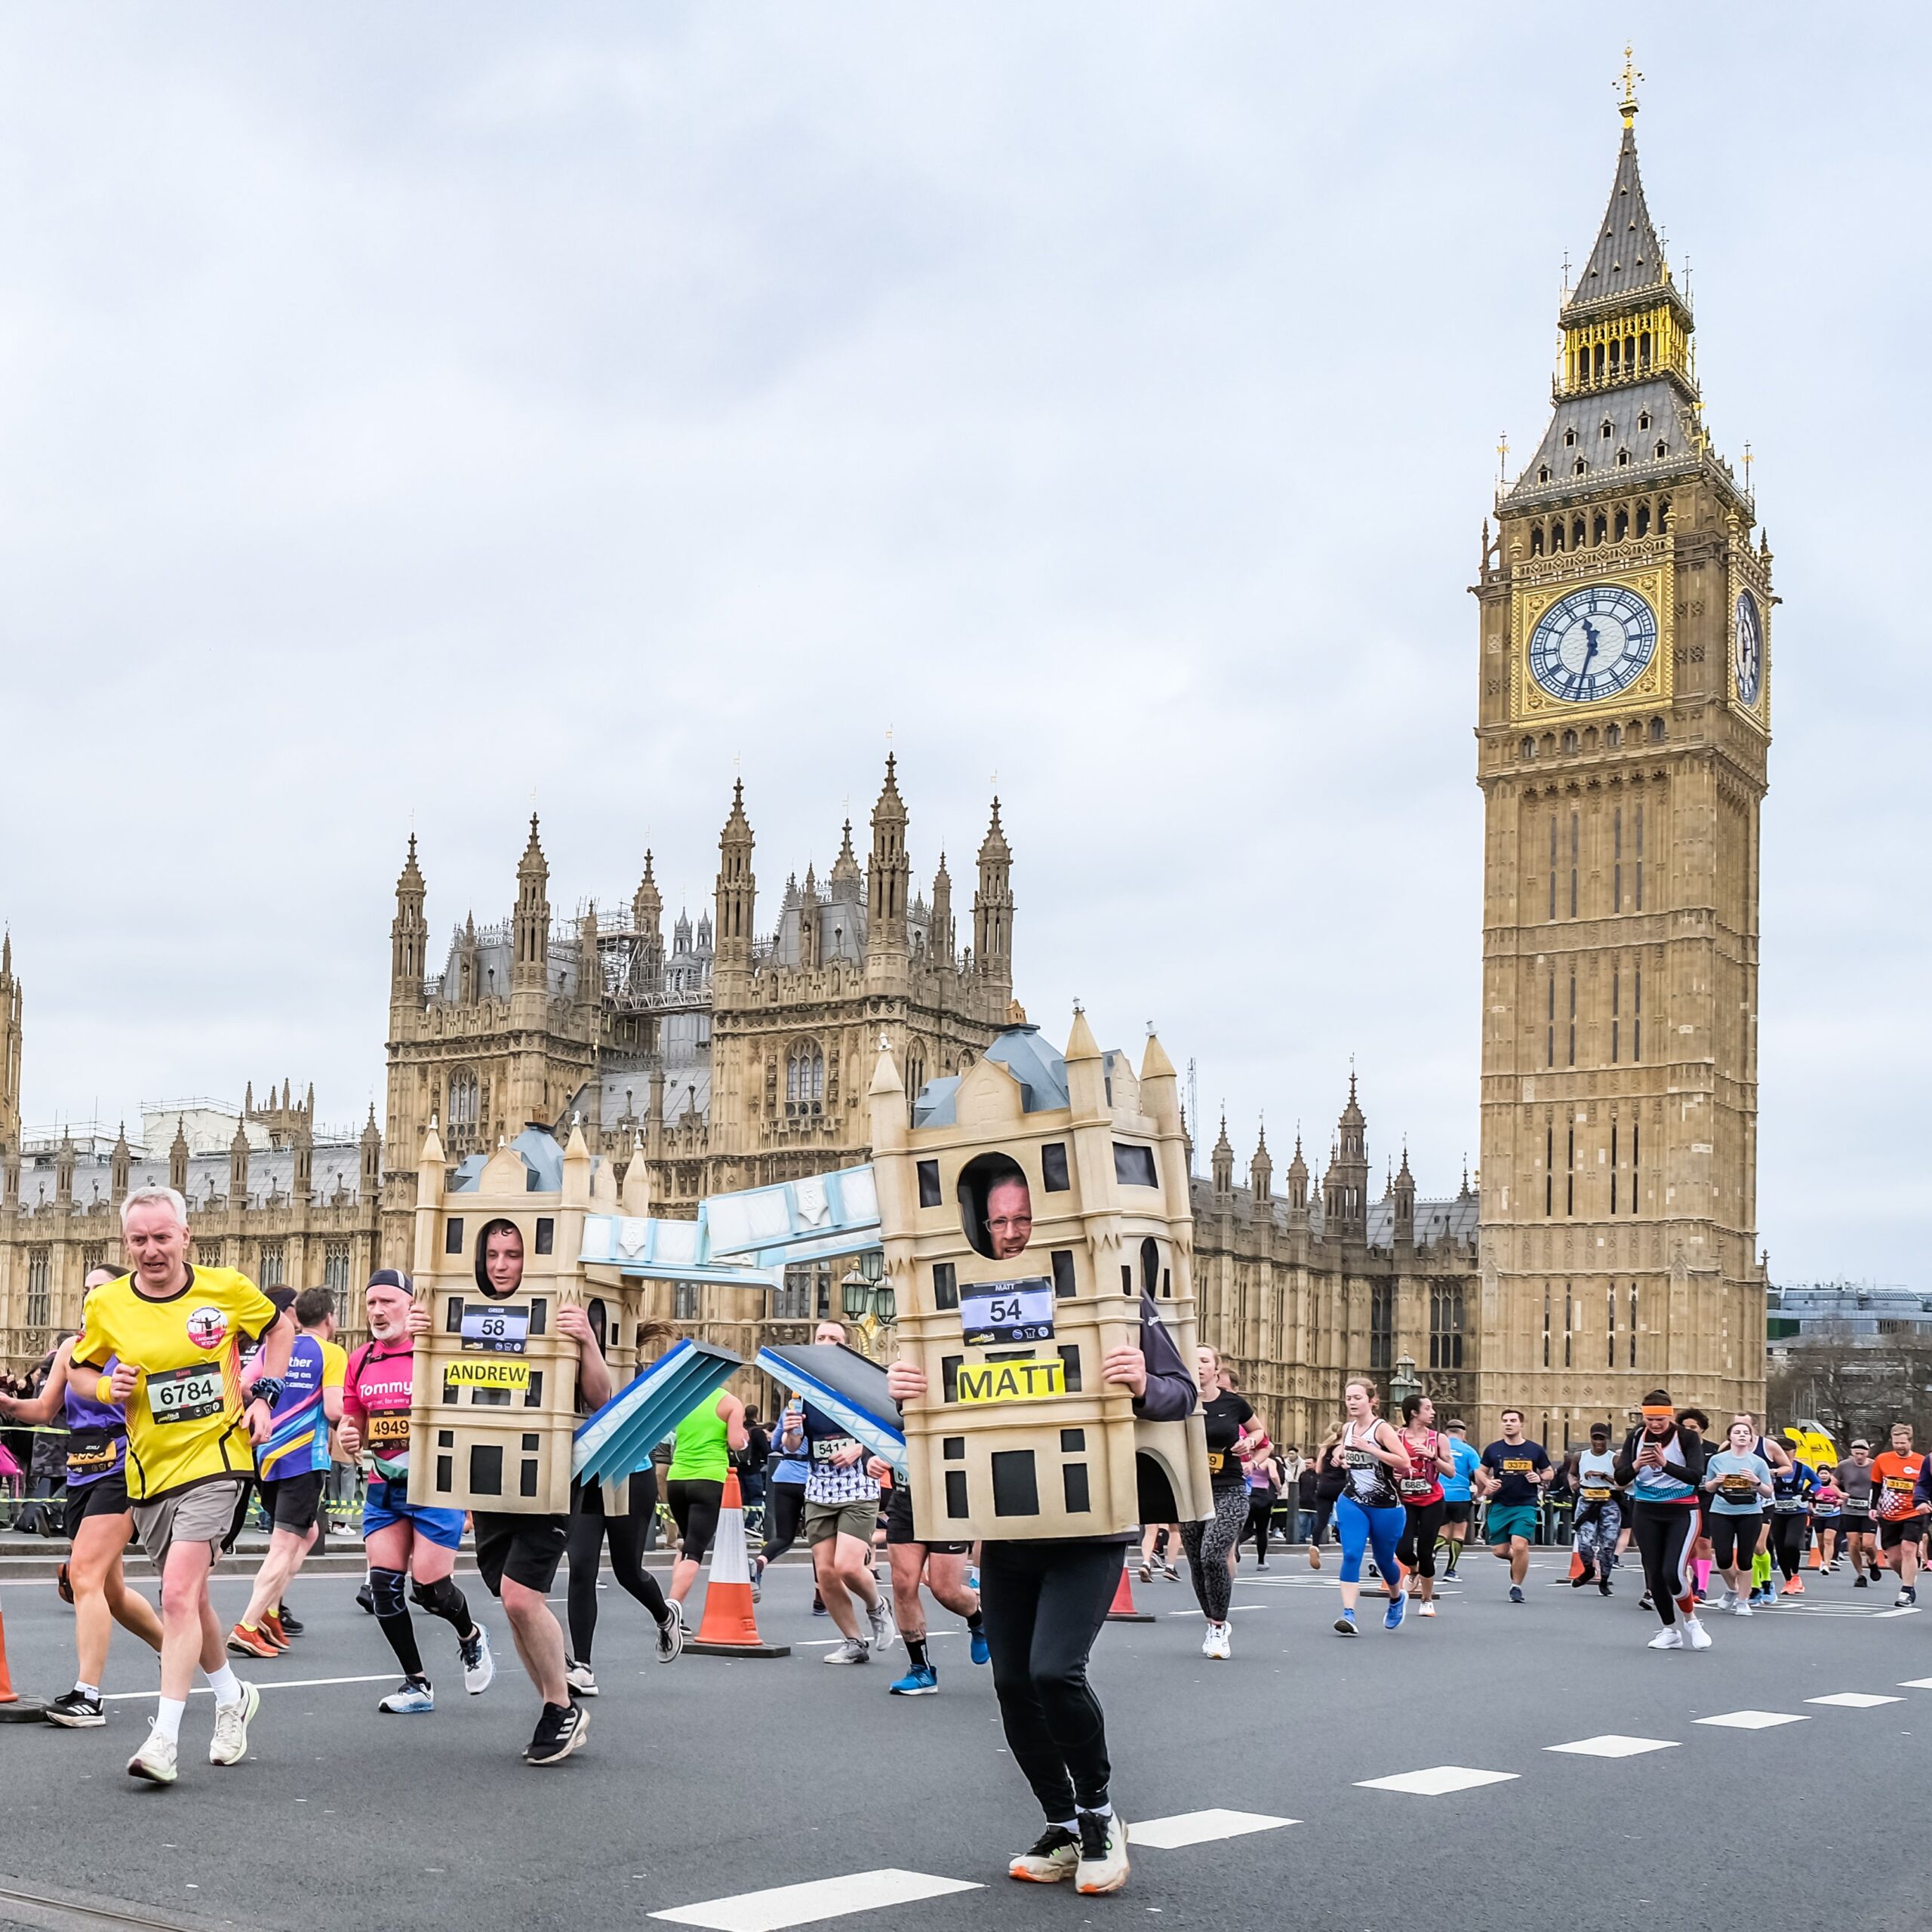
784,1516
1733,1539
1328,1488
1260,1509
1788,1532
1043,1604
1665,1534
694,1505
585,1550
1417,1547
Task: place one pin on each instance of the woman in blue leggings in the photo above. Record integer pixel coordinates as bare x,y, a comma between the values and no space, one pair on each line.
1370,1510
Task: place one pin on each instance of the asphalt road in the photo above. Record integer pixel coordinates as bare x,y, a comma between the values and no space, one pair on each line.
708,1779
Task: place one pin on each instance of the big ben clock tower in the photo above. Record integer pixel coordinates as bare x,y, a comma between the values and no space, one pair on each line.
1624,722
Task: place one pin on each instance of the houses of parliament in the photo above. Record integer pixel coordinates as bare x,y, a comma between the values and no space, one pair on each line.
1608,1242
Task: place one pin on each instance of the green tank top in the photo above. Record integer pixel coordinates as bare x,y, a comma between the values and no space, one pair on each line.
700,1454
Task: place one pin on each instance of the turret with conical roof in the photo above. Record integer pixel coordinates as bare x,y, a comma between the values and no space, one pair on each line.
1261,1172
942,940
736,897
177,1157
409,937
1345,1186
888,884
992,907
1298,1183
530,962
647,923
1221,1161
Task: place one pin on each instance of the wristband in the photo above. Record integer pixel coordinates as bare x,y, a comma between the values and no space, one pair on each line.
267,1389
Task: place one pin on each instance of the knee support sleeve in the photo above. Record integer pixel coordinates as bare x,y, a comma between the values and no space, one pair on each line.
442,1598
385,1588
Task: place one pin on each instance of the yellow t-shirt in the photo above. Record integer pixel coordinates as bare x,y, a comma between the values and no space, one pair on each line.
184,1418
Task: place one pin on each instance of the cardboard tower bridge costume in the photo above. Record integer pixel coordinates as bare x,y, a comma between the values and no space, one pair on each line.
1018,1437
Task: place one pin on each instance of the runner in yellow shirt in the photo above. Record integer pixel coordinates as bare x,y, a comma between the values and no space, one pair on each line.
166,1342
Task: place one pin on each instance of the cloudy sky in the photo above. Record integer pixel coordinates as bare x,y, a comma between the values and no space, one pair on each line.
407,413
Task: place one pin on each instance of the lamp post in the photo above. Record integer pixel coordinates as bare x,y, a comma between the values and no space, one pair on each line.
1403,1383
870,1306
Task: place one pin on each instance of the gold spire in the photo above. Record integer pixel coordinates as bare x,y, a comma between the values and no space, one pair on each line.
1627,82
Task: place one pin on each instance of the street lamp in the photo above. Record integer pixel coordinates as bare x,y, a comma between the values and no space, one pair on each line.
1403,1383
856,1294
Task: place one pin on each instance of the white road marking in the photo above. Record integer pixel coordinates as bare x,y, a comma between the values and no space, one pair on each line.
782,1905
1187,1828
264,1684
1910,1610
1437,1781
1755,1720
1611,1746
1917,1684
1854,1700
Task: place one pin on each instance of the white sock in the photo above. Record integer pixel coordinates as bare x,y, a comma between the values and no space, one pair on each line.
1070,1825
87,1689
1099,1811
225,1685
167,1716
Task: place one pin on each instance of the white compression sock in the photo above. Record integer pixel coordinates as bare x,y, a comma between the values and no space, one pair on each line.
225,1685
167,1718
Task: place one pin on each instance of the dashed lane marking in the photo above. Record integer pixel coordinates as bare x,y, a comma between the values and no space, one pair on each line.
1755,1720
1854,1700
1612,1745
1437,1781
1187,1828
1917,1684
782,1905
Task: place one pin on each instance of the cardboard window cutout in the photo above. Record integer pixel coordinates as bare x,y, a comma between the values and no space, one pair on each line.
995,1206
499,1259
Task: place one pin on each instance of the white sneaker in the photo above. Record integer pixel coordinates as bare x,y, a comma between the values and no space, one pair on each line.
1103,1866
579,1676
1220,1641
884,1630
1741,1609
1425,1609
479,1667
230,1743
1669,1639
1696,1636
1210,1647
155,1760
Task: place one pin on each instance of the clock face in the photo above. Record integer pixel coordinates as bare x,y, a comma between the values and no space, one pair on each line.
1747,649
1593,644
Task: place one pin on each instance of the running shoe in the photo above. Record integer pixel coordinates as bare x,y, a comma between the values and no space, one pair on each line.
74,1710
1671,1638
983,1651
243,1642
1055,1854
1791,1587
1425,1609
818,1605
271,1626
579,1676
1741,1610
1146,1576
155,1760
851,1651
1861,1581
670,1639
1582,1577
1603,1587
1103,1866
1315,1557
921,1680
1646,1602
1168,1571
479,1666
884,1630
1910,1593
1728,1601
410,1698
229,1745
1345,1624
287,1623
64,1584
367,1598
1904,1598
560,1731
1696,1636
1515,1593
1391,1617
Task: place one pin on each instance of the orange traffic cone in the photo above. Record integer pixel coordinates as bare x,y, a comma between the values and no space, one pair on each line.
1121,1610
1813,1560
14,1708
1576,1564
730,1625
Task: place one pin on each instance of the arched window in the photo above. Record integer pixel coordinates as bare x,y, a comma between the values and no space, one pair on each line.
1570,741
1657,730
463,1099
1556,534
1622,521
1528,749
1535,539
1613,736
1643,519
1663,514
1445,1325
804,1079
915,1076
1601,530
1576,533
